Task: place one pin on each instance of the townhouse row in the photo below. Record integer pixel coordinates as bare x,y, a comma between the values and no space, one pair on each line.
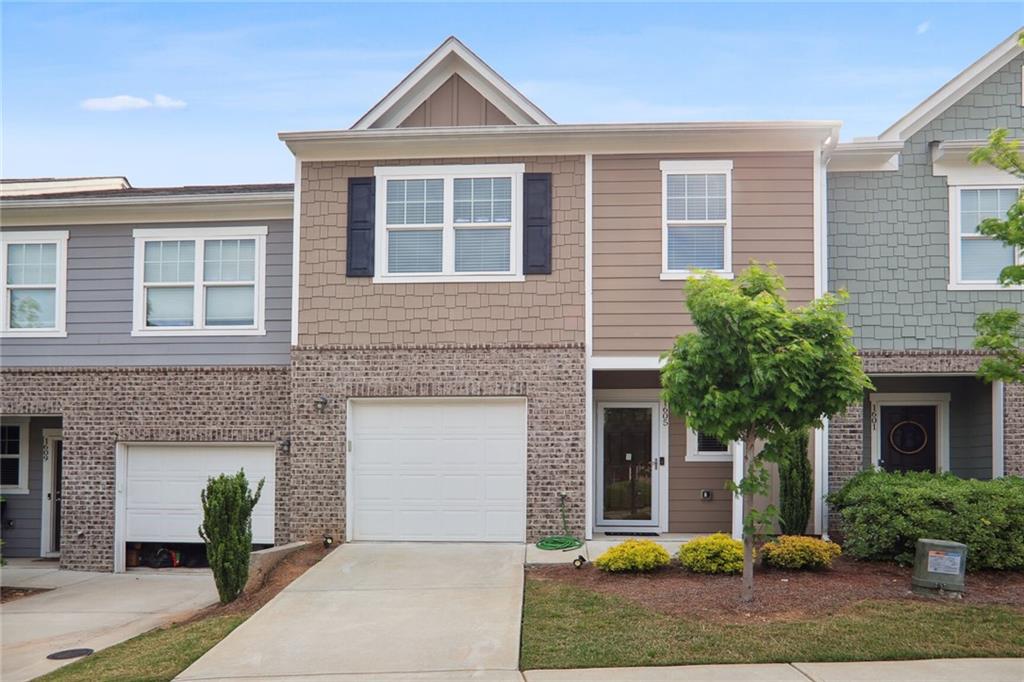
449,326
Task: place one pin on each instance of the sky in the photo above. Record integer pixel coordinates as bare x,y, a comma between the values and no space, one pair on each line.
195,93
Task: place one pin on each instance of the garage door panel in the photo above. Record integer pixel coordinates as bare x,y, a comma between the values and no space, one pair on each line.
163,484
438,470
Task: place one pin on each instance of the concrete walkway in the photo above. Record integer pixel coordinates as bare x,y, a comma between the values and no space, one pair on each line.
88,610
937,670
383,611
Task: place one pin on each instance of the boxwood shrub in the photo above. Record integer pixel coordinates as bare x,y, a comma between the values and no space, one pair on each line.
717,553
799,552
884,514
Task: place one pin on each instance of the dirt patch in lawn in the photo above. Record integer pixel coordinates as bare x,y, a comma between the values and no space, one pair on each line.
278,578
11,593
778,595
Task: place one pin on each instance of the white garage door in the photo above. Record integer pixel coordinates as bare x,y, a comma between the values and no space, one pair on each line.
438,470
162,484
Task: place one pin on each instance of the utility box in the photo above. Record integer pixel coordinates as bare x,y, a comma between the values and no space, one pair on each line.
939,567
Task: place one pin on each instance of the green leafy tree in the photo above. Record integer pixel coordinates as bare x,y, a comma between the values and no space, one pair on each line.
1002,332
227,531
796,480
756,368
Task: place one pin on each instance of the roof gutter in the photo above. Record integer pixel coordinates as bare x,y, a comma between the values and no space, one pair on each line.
560,139
148,200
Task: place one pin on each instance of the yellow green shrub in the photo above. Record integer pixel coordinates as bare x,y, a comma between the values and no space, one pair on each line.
716,553
799,551
633,555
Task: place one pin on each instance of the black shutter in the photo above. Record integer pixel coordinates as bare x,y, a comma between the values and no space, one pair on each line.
361,212
537,223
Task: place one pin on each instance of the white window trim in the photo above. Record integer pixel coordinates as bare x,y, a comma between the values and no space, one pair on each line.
696,167
22,487
955,282
693,454
448,174
940,401
60,238
199,235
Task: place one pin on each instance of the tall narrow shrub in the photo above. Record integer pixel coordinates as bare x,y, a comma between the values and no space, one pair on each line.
227,531
796,481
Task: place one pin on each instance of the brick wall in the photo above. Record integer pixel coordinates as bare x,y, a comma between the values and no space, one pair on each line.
550,377
336,310
101,407
888,241
1013,429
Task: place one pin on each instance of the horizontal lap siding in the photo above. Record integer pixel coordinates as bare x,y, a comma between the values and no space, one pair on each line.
339,310
687,512
99,310
635,313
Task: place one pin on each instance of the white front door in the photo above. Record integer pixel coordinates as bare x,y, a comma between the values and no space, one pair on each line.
437,469
629,466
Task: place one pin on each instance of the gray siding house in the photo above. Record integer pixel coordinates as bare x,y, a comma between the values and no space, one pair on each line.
146,322
902,215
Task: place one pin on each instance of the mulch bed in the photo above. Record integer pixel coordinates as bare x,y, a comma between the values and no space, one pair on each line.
778,594
278,578
11,593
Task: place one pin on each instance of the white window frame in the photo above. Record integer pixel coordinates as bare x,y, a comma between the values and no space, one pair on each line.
200,236
22,488
448,174
714,167
956,282
693,454
60,239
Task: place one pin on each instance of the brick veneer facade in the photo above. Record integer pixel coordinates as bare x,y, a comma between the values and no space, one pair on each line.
551,377
846,432
101,407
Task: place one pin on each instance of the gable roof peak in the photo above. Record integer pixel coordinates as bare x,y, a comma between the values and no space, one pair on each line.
451,57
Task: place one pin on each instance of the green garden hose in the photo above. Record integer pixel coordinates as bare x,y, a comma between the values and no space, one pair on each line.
565,542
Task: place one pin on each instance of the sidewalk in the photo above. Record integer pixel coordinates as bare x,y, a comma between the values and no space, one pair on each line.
937,670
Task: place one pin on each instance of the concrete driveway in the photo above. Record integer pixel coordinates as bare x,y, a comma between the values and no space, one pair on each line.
385,611
90,610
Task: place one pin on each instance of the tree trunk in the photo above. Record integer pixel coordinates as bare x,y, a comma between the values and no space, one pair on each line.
747,593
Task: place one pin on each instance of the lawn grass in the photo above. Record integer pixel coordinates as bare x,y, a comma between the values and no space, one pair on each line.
570,627
156,655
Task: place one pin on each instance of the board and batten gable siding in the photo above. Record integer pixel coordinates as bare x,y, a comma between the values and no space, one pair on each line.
638,314
340,310
99,308
455,103
888,233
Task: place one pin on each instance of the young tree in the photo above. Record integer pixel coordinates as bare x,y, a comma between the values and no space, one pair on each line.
756,368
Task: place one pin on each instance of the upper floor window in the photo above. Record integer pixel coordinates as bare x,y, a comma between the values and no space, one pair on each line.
701,447
449,223
199,281
697,218
14,456
33,269
977,259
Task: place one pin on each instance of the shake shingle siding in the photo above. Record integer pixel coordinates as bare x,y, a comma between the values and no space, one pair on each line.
888,235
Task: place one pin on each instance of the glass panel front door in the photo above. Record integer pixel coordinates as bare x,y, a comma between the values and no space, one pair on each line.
628,473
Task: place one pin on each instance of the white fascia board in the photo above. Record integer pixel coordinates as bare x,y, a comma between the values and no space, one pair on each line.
951,92
865,155
412,143
176,199
38,212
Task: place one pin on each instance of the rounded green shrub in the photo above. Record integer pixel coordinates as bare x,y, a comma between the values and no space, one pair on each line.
800,551
716,553
884,514
633,556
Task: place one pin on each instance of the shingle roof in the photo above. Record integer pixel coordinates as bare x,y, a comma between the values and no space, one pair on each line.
185,190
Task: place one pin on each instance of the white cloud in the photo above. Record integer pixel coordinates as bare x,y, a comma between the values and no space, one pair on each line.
129,102
923,27
165,102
